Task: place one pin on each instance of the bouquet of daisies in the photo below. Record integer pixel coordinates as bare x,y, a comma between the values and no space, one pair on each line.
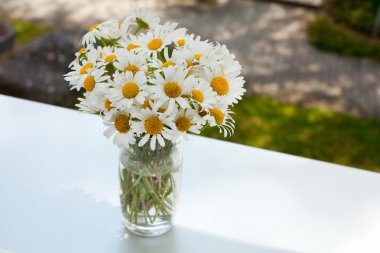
154,83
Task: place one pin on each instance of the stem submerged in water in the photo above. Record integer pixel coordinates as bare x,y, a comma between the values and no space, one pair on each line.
148,188
146,196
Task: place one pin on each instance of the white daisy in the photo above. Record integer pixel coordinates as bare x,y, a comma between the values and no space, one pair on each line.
81,70
186,120
86,58
93,54
230,67
125,27
168,26
154,41
226,60
96,102
220,116
120,126
200,50
176,58
128,88
149,103
94,79
171,87
91,102
106,55
94,33
194,65
111,29
129,42
81,53
129,61
227,86
153,126
201,93
179,37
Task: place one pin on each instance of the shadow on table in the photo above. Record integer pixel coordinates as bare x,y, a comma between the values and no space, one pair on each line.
72,221
184,240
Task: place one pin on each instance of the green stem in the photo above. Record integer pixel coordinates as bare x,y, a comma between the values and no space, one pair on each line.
146,213
144,209
173,186
137,30
152,187
134,204
137,209
156,214
132,187
160,204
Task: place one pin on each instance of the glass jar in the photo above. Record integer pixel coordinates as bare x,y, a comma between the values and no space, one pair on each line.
150,186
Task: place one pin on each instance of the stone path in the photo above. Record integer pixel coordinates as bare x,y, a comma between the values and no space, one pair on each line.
36,70
269,39
271,42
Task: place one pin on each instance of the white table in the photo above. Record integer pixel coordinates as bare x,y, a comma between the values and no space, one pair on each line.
59,194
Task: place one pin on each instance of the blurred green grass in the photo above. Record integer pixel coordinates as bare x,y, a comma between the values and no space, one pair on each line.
327,35
314,133
26,31
358,14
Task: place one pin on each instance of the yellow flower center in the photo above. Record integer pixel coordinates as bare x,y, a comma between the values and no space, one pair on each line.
181,42
172,89
197,56
110,58
167,64
198,95
220,85
155,44
132,46
218,115
189,74
161,110
82,50
122,124
130,90
85,68
153,125
189,63
183,124
146,105
93,27
107,104
133,68
89,83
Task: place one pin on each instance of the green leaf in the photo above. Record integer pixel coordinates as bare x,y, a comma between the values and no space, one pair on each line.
141,23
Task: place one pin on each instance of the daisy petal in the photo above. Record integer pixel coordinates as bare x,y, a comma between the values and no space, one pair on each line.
161,140
153,143
143,140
